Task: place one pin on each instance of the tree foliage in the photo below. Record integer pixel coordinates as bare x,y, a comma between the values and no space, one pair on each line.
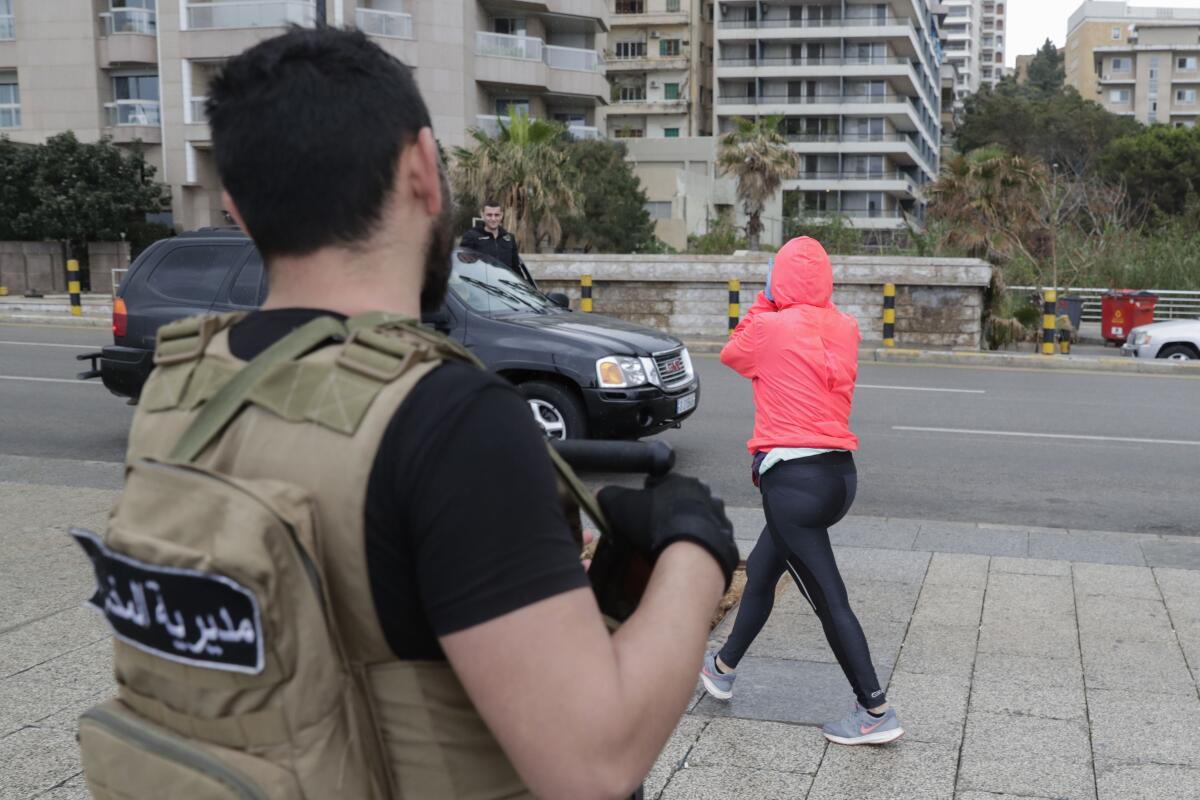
73,192
527,172
1057,128
1159,166
757,155
1047,73
612,216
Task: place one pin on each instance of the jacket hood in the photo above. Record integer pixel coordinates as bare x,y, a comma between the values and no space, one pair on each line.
800,275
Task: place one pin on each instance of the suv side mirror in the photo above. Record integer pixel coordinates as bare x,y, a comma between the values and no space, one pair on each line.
559,299
439,320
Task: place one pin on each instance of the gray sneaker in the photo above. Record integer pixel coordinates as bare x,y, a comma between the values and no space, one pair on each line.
719,685
861,728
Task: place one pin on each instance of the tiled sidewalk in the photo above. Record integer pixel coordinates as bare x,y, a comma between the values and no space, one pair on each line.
1014,676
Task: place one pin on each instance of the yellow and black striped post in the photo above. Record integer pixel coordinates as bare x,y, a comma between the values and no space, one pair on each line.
73,286
889,315
1049,329
585,294
735,303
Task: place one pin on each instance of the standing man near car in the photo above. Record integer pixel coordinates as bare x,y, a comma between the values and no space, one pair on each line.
490,238
454,582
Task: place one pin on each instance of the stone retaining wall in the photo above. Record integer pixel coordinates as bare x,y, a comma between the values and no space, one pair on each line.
939,302
38,266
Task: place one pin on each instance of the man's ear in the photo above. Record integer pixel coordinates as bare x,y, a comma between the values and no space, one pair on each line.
419,174
232,208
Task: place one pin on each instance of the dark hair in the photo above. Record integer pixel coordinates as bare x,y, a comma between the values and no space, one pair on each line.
492,204
308,128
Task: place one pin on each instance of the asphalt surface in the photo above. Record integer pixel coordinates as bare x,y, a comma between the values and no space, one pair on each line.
996,455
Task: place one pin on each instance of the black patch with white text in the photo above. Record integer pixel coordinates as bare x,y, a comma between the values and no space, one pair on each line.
183,615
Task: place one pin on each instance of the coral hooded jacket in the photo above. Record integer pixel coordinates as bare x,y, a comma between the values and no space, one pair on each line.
800,353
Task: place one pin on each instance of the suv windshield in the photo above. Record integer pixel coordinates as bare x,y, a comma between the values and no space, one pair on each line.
491,288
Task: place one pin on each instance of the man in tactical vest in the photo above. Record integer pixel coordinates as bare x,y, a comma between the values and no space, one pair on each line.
327,444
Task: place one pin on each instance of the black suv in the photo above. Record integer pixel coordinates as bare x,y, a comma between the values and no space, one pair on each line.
585,375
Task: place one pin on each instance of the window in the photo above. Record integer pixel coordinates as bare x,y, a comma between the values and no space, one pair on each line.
628,133
248,289
10,101
631,94
506,105
669,47
672,5
1116,33
136,87
659,209
631,49
7,30
193,273
1122,64
1185,97
492,288
1186,63
671,133
1118,96
510,26
671,91
630,7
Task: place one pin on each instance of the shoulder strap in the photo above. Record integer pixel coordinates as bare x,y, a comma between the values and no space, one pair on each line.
223,406
585,499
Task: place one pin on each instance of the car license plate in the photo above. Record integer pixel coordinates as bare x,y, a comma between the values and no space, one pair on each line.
685,404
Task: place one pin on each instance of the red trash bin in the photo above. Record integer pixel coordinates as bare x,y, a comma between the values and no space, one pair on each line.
1122,310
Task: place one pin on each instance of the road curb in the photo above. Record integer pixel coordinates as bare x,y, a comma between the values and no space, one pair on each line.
1026,361
56,319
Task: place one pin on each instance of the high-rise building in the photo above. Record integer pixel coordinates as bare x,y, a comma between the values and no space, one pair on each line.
1101,23
659,64
1154,75
137,72
859,88
974,43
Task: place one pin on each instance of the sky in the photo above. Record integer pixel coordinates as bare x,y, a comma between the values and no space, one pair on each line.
1030,22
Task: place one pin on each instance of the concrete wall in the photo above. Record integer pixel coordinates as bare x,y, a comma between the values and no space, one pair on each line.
939,302
38,266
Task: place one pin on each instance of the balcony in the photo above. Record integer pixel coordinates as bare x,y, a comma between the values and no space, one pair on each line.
490,124
503,45
251,14
1118,77
128,36
573,58
849,21
392,24
129,20
133,120
199,114
647,106
643,12
528,61
812,99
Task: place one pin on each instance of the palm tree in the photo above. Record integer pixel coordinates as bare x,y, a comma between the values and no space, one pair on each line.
758,156
525,169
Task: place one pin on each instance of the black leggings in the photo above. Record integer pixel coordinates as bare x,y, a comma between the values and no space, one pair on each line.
802,498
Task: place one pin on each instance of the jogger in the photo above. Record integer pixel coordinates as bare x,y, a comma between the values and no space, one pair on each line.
802,499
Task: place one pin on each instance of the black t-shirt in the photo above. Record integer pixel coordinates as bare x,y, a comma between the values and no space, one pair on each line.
463,521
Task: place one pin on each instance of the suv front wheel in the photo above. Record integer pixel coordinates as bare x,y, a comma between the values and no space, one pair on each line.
555,409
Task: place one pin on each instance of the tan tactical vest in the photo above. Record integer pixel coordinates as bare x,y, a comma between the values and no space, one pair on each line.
317,422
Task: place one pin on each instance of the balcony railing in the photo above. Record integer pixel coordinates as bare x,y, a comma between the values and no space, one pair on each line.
849,21
575,58
7,32
503,45
132,112
385,23
490,124
808,61
199,112
853,174
810,99
851,137
130,20
10,115
251,14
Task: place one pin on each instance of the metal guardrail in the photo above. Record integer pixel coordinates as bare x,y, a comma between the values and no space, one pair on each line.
130,20
1172,304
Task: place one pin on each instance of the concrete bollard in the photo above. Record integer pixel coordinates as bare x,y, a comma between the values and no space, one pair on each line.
1065,331
889,315
1049,331
585,294
735,303
73,287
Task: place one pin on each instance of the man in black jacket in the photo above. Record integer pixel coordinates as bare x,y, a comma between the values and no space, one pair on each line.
490,238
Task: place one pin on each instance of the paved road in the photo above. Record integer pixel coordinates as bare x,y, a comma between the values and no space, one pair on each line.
956,444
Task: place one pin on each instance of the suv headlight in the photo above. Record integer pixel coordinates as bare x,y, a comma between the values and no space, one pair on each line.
622,372
1140,338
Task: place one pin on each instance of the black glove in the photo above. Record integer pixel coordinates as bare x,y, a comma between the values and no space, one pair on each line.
667,510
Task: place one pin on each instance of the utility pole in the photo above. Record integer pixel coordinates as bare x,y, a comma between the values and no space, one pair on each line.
321,13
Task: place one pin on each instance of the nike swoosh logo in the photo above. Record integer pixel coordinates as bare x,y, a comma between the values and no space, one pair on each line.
863,730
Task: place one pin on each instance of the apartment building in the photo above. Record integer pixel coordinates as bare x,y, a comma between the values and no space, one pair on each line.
1105,23
974,43
659,65
1154,75
138,72
859,87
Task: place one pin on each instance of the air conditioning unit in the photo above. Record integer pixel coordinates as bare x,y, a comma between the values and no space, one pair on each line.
655,35
653,84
